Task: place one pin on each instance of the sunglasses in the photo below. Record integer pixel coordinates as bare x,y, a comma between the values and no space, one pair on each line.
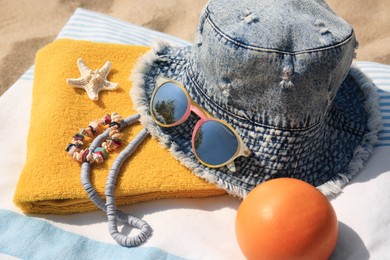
214,142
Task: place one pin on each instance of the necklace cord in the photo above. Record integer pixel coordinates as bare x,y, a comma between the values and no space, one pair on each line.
113,214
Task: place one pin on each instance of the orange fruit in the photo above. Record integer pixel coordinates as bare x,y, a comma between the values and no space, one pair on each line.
286,218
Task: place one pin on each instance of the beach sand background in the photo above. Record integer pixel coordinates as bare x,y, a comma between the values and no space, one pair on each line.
27,25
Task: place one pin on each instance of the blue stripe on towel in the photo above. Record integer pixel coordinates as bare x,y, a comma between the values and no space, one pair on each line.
29,238
105,27
380,75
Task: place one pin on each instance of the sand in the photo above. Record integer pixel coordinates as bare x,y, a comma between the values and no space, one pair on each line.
26,26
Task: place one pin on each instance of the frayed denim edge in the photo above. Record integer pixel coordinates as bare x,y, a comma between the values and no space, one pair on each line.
363,152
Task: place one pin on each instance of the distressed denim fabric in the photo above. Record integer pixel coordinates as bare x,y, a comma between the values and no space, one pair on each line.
279,72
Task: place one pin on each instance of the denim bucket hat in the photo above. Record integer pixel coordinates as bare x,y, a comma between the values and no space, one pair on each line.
279,72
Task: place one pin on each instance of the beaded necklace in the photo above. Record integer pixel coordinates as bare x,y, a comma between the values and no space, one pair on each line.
105,142
99,154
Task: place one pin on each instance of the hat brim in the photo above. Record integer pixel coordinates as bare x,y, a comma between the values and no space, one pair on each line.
327,155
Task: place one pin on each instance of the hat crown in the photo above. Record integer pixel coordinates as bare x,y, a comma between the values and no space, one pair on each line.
280,62
283,25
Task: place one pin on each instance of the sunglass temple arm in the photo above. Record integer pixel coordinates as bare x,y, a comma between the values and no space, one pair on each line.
231,166
243,151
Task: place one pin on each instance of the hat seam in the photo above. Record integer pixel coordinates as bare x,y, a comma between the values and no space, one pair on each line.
302,129
215,103
269,50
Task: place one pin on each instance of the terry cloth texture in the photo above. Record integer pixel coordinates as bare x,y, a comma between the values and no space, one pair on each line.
50,180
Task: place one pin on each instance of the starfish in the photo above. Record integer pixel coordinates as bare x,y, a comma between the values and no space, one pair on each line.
92,81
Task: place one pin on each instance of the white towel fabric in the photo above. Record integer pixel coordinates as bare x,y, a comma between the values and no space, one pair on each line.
202,228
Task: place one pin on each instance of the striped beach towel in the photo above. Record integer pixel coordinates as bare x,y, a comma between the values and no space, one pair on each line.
193,229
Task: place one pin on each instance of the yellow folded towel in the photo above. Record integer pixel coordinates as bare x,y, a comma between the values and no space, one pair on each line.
50,180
